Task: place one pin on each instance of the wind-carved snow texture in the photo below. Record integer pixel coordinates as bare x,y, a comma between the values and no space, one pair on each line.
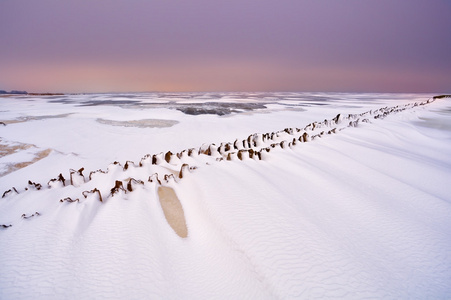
298,213
161,171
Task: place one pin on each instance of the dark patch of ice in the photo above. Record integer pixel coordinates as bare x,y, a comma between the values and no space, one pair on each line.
217,108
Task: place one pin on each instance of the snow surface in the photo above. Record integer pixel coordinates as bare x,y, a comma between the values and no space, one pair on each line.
358,207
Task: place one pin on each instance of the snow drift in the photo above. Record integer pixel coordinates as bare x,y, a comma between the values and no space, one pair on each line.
350,206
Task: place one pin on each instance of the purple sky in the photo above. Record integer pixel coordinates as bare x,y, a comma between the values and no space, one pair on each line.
233,45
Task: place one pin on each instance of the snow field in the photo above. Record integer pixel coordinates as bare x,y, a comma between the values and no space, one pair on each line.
363,212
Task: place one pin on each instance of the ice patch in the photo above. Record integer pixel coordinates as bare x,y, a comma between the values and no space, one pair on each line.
146,123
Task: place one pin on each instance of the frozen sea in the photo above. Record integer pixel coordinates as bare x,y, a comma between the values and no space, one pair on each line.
225,195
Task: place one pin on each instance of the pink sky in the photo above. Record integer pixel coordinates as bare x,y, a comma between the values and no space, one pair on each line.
200,45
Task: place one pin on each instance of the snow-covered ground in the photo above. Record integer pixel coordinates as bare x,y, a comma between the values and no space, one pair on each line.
242,195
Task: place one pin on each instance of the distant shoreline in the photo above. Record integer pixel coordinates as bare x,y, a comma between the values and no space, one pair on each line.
13,93
30,94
